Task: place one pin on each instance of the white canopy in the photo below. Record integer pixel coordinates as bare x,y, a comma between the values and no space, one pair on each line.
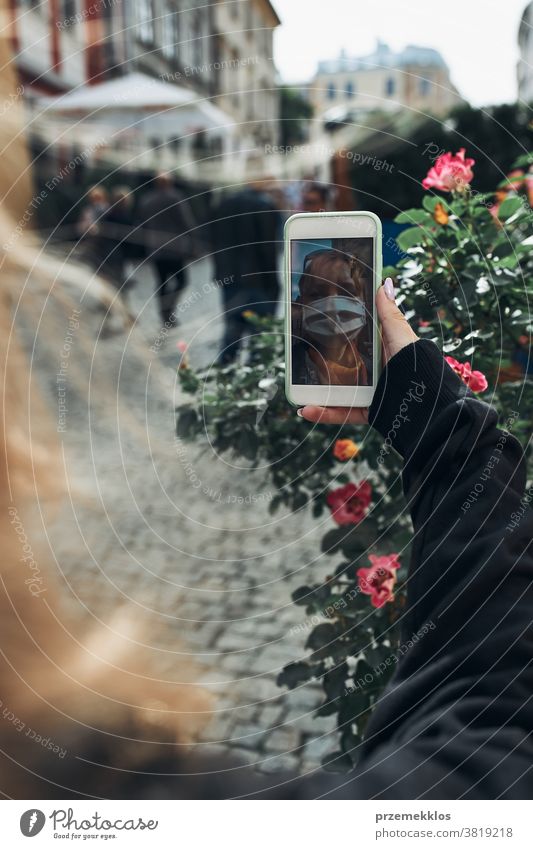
140,93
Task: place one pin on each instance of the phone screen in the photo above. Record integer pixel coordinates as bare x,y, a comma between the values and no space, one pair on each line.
332,311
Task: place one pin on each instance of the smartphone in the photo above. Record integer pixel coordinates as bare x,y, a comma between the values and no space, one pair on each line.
332,271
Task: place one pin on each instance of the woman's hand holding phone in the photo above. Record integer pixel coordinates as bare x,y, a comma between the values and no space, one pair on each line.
396,334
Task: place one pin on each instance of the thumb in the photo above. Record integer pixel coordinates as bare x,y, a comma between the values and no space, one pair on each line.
395,329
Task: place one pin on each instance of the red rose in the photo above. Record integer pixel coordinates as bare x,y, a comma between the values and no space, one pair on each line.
450,173
349,504
378,580
475,380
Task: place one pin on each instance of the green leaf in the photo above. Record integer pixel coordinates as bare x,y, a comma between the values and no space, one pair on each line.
299,500
412,216
333,540
333,681
509,207
409,238
523,161
186,424
248,443
294,674
327,708
373,658
349,742
318,508
503,248
302,595
322,635
430,202
276,502
352,707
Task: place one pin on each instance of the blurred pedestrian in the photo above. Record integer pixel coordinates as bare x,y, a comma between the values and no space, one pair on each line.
91,249
116,235
168,225
91,214
245,234
315,198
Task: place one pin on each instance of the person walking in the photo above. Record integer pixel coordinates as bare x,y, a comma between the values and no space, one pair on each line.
92,212
245,231
89,227
116,234
168,225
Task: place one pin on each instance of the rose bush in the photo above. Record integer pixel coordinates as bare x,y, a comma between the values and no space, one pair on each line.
464,280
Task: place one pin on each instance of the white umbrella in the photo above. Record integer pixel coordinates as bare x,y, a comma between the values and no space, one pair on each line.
138,92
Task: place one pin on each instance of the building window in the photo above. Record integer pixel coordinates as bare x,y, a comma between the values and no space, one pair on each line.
331,91
235,95
197,39
67,10
251,98
170,31
350,89
267,42
249,20
145,21
425,87
390,87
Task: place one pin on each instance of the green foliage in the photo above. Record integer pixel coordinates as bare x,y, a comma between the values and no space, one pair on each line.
465,283
495,137
295,112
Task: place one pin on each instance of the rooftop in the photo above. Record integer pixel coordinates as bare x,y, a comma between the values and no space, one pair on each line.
384,57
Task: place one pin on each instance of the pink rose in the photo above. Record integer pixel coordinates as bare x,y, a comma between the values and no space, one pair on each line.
450,173
349,504
475,380
181,346
378,580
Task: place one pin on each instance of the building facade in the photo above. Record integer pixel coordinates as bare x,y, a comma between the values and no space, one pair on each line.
525,63
246,85
49,44
222,50
416,78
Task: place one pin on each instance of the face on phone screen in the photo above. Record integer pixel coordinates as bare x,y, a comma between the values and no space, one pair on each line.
332,304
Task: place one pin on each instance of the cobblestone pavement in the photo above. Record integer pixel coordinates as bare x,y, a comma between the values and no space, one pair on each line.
208,576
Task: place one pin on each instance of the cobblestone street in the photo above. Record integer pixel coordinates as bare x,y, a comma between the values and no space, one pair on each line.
209,577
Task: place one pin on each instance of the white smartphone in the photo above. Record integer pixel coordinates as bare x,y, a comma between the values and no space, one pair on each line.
332,271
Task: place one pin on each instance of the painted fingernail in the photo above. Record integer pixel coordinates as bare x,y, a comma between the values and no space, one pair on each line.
389,289
299,413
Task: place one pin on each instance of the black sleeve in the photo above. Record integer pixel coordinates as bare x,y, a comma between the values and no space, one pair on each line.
456,720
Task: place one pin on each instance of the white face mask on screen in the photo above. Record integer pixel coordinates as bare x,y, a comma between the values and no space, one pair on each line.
333,316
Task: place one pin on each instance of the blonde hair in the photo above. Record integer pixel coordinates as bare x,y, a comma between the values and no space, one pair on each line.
90,690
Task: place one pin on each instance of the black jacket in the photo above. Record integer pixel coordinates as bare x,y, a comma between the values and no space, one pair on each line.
457,718
168,225
245,230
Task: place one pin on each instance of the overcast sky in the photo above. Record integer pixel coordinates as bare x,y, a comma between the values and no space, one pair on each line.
477,38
